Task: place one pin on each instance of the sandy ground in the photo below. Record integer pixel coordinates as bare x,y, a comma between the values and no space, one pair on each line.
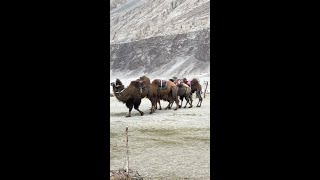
165,145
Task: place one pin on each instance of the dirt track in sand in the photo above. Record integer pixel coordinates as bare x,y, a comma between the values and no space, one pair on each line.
165,145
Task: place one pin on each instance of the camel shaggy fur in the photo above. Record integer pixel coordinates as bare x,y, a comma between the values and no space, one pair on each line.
195,87
184,91
131,95
168,94
146,81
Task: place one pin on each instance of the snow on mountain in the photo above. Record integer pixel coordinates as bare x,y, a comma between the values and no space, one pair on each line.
160,39
139,19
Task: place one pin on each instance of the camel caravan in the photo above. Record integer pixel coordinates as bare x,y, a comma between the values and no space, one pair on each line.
167,90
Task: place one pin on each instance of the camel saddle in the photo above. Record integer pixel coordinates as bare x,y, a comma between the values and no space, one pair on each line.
162,84
187,82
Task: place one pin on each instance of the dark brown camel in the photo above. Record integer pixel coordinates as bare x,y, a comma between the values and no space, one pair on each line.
195,87
184,91
131,95
169,94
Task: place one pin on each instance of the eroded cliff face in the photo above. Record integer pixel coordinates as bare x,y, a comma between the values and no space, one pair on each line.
159,38
173,55
132,20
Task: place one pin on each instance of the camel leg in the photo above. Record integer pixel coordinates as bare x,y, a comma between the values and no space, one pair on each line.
181,98
190,97
168,107
153,105
190,102
187,99
159,105
136,107
200,99
177,103
171,103
130,109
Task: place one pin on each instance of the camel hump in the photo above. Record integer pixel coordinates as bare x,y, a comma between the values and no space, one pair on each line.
162,84
185,85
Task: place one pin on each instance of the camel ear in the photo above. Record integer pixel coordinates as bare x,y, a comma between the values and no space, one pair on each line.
112,84
118,82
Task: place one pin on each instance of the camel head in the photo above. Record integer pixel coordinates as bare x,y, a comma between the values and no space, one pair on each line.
118,86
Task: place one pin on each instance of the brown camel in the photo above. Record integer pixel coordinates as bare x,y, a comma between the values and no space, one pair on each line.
184,91
167,92
131,95
195,87
146,81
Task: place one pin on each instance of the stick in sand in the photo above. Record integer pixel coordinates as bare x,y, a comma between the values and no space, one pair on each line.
127,153
204,96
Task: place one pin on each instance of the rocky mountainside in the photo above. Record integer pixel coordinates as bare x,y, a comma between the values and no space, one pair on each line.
159,38
139,19
173,55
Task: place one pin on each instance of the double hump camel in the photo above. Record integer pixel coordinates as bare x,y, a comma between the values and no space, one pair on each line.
168,92
184,91
195,87
131,95
155,91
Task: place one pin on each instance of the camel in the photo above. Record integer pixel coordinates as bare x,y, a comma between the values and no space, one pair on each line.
131,95
184,91
146,81
169,93
195,87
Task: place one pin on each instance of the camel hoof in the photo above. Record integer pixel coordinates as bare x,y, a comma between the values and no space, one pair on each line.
175,109
142,114
160,109
185,107
190,107
128,116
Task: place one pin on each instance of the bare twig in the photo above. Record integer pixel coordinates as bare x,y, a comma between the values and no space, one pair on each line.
204,96
127,153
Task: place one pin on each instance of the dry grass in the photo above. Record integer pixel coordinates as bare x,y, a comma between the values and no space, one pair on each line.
122,174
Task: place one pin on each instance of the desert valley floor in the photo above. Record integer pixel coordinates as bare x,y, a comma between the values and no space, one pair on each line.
165,145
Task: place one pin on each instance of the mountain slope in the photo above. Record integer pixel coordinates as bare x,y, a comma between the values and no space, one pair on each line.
160,39
140,19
